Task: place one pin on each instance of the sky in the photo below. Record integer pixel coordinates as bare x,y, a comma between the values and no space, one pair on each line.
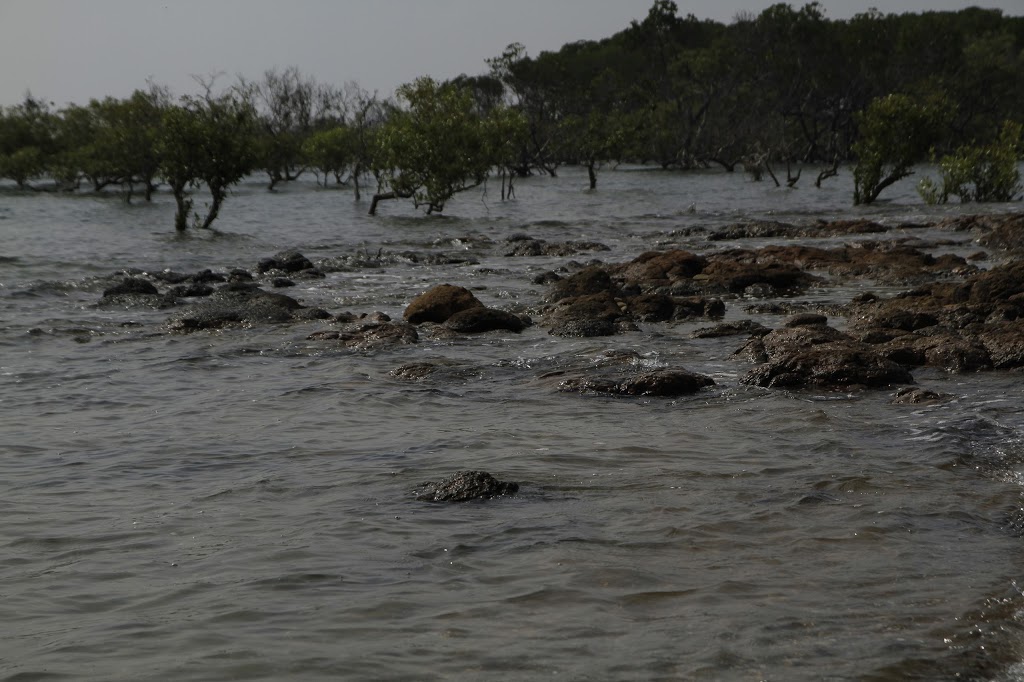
68,51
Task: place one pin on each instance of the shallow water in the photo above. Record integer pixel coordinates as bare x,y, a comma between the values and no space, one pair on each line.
237,505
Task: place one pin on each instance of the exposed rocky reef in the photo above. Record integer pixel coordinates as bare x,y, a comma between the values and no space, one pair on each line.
465,486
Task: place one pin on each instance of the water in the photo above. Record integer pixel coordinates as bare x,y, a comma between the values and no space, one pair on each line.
236,505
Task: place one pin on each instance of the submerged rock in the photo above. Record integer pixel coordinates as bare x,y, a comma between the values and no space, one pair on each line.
665,383
465,486
370,335
241,304
131,285
480,320
286,261
915,395
731,329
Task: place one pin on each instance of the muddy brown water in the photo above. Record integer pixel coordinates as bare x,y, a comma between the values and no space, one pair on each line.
236,505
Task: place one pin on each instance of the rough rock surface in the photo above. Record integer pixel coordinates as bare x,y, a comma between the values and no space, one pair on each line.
241,304
286,261
915,395
659,383
465,486
819,356
370,335
479,320
439,303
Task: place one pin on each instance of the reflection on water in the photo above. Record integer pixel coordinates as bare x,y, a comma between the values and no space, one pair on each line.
236,504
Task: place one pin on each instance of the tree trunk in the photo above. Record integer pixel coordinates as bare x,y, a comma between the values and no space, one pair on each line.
218,195
184,207
378,198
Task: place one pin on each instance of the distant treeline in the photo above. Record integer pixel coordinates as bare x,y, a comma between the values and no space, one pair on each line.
780,90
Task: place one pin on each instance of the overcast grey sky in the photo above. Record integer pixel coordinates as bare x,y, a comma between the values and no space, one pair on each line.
74,50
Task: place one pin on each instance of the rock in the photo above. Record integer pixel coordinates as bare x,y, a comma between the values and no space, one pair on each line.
465,486
286,261
440,303
281,282
207,277
914,395
819,356
753,230
415,370
1005,344
370,336
522,245
131,285
651,307
135,292
585,328
239,275
658,383
238,304
588,315
738,275
192,290
806,320
590,281
479,320
655,269
731,329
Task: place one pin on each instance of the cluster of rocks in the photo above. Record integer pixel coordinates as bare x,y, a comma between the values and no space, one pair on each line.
524,245
956,317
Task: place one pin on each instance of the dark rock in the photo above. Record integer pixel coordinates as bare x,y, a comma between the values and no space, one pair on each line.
192,290
169,276
281,282
440,303
370,336
590,281
236,304
479,320
753,230
819,356
731,329
1005,344
549,277
657,383
806,320
914,395
652,307
131,285
736,276
286,261
656,268
465,486
135,292
525,247
415,370
207,277
584,328
239,275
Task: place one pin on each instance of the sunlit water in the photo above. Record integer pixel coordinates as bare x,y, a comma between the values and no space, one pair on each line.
237,505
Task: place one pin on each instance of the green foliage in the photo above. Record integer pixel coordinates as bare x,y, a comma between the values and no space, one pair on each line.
980,173
330,152
27,141
205,141
895,133
433,147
